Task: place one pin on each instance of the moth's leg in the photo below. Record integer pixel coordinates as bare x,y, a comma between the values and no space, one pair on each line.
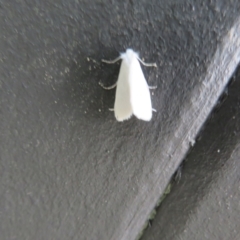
147,64
108,88
111,109
154,110
152,87
112,61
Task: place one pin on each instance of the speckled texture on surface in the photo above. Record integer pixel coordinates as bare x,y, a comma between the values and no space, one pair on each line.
68,170
205,203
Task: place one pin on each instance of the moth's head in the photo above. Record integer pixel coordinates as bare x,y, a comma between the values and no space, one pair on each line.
129,54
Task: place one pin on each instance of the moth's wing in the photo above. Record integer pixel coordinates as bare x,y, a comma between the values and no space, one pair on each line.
122,106
139,92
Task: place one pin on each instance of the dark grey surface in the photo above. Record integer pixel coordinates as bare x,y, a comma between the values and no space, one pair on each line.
205,203
68,170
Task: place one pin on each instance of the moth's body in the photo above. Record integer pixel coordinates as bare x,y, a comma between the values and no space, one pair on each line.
132,94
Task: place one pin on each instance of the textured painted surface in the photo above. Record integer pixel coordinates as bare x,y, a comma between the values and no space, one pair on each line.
68,170
205,204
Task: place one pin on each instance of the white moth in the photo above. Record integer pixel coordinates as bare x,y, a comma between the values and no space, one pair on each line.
132,94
